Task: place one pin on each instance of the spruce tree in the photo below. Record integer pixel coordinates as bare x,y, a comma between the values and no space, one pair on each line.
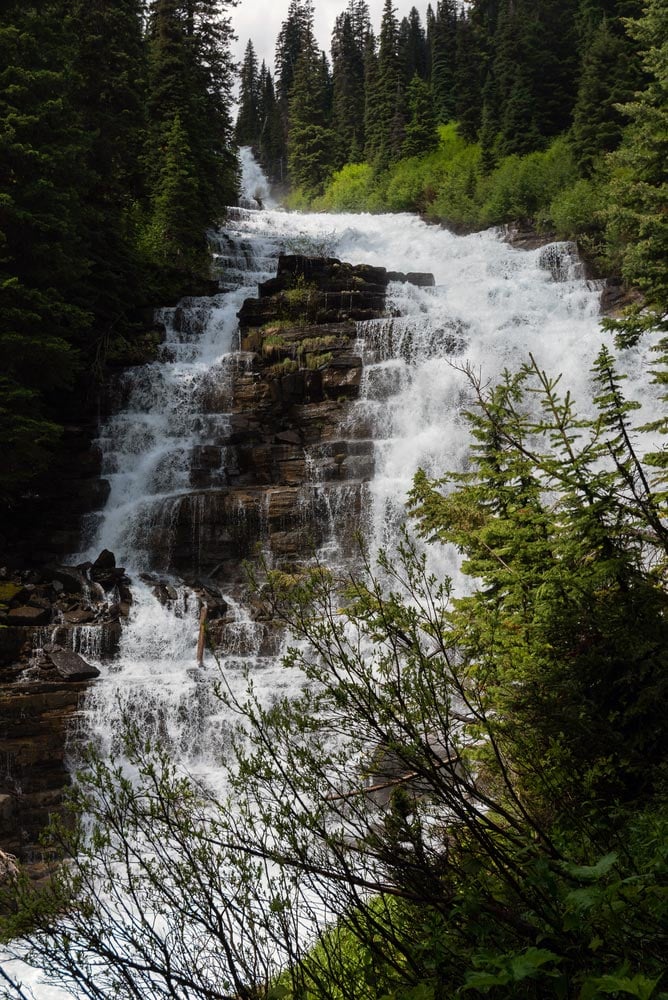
386,106
190,78
638,221
246,131
311,140
609,75
43,258
270,141
443,60
348,90
413,47
421,134
468,79
108,81
176,199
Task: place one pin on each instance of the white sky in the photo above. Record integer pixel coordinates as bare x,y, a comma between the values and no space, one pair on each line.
260,20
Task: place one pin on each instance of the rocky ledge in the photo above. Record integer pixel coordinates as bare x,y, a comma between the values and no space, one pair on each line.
286,472
49,620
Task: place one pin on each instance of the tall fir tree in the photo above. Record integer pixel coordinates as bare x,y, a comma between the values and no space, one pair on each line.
43,257
311,140
609,75
468,78
109,90
190,78
386,107
638,218
246,131
413,47
443,60
348,90
270,141
421,134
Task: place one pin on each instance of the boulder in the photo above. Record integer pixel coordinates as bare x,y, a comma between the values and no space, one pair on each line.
72,579
70,666
28,615
106,560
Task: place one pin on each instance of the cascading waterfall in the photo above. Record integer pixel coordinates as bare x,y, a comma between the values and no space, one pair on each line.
491,307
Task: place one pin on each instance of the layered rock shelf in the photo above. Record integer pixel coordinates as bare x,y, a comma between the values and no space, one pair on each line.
283,471
50,620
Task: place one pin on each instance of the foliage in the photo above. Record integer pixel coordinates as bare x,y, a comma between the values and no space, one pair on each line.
638,222
349,190
93,170
465,795
523,187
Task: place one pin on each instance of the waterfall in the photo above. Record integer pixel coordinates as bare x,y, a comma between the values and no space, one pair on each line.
490,307
255,188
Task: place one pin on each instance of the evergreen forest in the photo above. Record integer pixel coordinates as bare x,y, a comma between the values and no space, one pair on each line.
469,795
480,114
116,155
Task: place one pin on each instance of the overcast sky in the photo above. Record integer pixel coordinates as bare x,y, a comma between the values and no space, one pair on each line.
260,20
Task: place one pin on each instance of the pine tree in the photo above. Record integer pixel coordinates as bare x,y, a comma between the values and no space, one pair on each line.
190,78
413,47
348,90
534,67
468,79
289,46
43,154
443,60
108,81
421,134
609,76
270,141
638,220
386,106
246,131
311,140
177,197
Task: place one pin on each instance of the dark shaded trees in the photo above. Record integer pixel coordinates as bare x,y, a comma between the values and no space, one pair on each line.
311,139
421,134
386,103
443,60
89,109
190,78
270,140
348,81
43,179
248,124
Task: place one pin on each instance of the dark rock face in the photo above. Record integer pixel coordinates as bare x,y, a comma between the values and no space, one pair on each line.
290,475
42,679
287,473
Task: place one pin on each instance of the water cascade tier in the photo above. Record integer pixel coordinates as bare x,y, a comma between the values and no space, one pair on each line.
284,416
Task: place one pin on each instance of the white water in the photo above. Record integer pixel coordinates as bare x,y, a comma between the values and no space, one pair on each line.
492,306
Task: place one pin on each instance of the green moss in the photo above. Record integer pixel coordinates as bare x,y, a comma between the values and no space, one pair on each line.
314,361
8,592
317,343
274,344
285,367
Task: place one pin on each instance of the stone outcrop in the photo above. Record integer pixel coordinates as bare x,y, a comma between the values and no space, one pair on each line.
285,472
48,619
289,470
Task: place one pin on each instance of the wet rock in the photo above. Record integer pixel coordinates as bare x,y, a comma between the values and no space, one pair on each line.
105,561
562,261
79,616
28,615
70,666
423,279
72,580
